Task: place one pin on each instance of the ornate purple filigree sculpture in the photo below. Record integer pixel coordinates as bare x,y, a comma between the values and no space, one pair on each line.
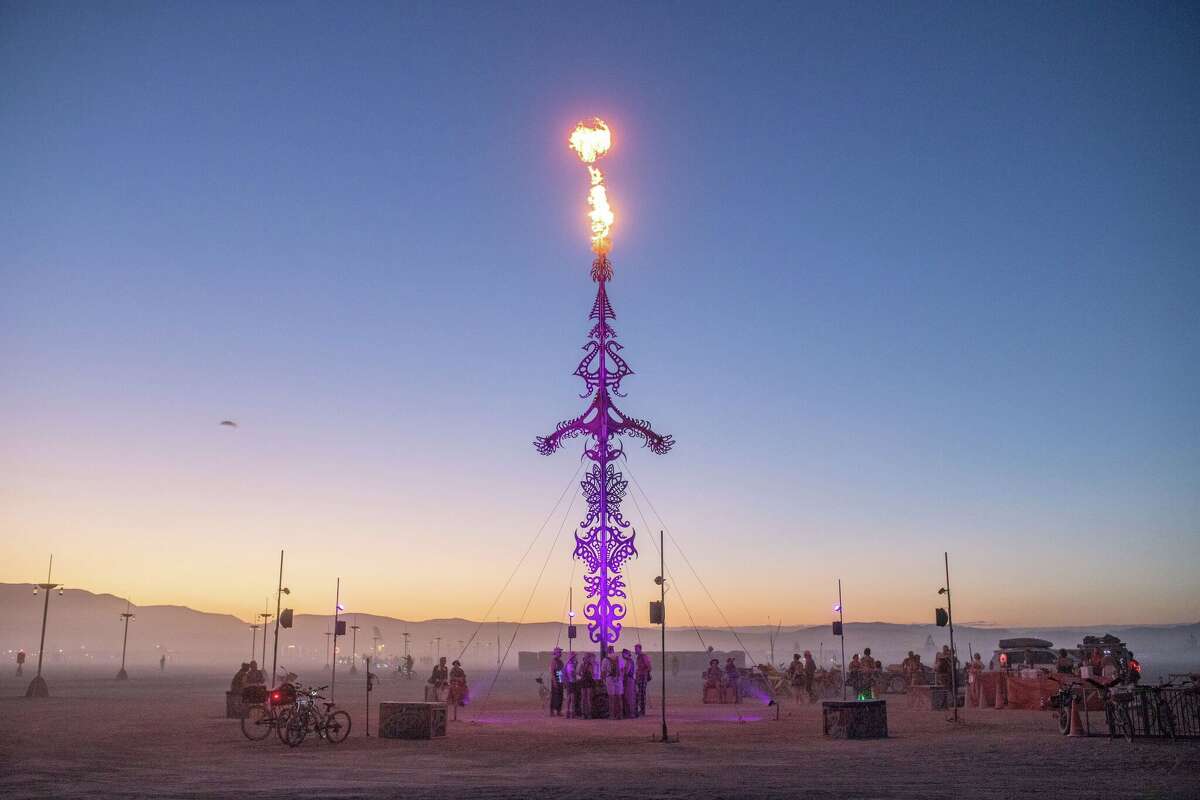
605,540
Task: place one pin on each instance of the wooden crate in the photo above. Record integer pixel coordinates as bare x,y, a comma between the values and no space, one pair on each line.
412,720
855,719
234,709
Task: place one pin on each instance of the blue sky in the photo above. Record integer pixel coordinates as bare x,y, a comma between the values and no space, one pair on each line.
898,278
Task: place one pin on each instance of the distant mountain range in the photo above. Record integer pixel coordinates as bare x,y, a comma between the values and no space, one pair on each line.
86,628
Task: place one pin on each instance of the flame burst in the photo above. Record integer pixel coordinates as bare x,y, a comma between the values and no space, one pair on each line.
591,139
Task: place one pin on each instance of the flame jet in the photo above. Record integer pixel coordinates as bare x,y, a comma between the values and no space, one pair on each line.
591,139
605,540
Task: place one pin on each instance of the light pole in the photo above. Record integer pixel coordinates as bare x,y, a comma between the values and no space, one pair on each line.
327,635
279,591
438,639
253,638
354,646
661,580
337,609
37,686
953,653
264,616
127,617
842,636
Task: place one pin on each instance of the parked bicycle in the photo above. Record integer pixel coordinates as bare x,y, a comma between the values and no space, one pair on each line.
265,711
318,717
1154,703
1117,700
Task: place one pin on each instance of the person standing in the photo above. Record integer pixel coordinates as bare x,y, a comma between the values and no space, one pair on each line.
457,695
254,676
732,680
628,685
795,675
810,673
162,663
614,684
585,681
239,678
644,668
556,683
439,679
570,679
20,663
674,666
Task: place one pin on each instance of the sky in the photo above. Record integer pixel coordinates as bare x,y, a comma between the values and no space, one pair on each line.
899,278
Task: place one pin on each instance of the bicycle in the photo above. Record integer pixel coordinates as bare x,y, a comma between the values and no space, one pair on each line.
1158,709
1117,700
332,726
265,712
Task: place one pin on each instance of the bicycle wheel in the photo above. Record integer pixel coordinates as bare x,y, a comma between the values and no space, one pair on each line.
294,729
337,727
1064,719
1121,721
281,720
256,723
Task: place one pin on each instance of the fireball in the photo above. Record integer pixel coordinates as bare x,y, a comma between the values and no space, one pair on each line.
590,140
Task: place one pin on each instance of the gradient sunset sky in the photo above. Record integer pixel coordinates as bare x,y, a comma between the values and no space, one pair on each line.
899,279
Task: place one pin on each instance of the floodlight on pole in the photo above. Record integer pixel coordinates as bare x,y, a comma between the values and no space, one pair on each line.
38,687
128,617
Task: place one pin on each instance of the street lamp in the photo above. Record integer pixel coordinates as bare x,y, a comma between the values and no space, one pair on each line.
279,592
253,638
127,617
37,686
354,646
264,616
953,652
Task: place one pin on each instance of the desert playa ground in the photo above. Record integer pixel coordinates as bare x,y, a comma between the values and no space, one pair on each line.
164,735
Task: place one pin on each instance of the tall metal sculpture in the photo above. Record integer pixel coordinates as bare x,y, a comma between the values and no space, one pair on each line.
605,539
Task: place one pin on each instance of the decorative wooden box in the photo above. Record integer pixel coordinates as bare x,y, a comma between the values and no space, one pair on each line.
855,719
412,720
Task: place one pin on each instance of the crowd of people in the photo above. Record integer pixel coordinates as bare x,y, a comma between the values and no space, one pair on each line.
624,678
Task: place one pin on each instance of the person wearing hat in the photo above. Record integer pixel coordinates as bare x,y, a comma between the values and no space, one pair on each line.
713,677
556,683
458,687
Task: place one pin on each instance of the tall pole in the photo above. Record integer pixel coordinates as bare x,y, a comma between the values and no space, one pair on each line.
953,653
37,686
662,586
253,639
278,601
354,646
842,621
370,680
122,675
337,600
265,615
